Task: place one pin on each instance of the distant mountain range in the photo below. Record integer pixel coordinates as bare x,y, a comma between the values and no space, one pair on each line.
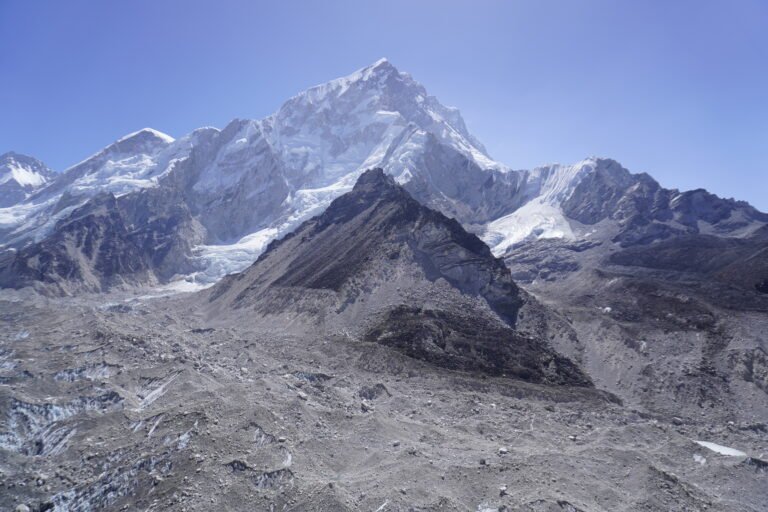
149,209
384,318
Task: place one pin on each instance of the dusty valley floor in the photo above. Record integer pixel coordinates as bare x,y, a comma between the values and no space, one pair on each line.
138,404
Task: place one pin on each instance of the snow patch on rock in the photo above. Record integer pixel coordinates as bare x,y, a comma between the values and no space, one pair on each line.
722,450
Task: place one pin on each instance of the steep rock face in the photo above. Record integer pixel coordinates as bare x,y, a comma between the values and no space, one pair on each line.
646,212
381,267
91,241
234,182
448,181
20,177
107,242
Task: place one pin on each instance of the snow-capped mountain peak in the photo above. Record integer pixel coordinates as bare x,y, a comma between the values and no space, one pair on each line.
133,162
354,122
124,165
544,190
256,180
281,170
146,140
373,75
20,176
24,170
147,133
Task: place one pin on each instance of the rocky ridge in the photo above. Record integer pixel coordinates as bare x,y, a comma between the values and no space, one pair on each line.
378,265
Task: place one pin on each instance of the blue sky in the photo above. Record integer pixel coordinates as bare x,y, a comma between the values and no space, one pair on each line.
676,89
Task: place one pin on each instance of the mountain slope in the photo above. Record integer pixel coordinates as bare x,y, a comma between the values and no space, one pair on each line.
138,239
289,165
133,163
256,180
599,196
378,265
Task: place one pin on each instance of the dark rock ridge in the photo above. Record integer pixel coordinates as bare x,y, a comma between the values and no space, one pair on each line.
733,271
397,273
468,343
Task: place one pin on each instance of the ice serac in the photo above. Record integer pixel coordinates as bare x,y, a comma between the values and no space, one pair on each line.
380,267
20,177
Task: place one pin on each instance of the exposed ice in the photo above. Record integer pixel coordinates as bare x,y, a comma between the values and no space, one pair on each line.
155,393
90,372
220,260
544,188
534,220
110,486
34,429
723,450
275,478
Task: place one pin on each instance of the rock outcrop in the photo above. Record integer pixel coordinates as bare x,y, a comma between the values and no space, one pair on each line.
383,268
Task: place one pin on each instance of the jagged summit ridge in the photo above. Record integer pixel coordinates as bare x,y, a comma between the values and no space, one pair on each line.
392,91
352,123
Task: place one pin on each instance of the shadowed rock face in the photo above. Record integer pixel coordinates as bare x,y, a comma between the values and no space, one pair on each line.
380,218
463,342
401,275
107,242
729,270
